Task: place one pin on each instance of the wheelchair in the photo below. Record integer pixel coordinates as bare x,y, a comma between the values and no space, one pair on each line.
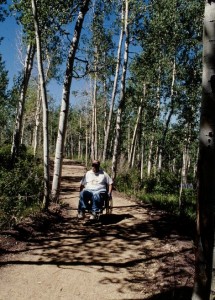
106,208
108,202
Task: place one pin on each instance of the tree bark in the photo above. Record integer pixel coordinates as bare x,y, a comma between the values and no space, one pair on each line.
80,139
21,105
94,145
38,113
204,288
172,100
184,169
46,198
154,123
37,121
107,131
86,147
122,96
131,156
65,101
142,163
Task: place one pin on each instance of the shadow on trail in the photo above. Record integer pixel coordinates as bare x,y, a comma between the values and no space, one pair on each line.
151,254
156,256
70,179
182,293
109,219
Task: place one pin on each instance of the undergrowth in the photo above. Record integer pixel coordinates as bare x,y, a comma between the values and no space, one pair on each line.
162,193
21,186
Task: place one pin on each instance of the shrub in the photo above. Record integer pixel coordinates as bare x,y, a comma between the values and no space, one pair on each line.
21,187
188,201
5,157
162,192
128,182
166,183
167,202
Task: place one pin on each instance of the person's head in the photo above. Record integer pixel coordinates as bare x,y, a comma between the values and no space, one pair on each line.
95,166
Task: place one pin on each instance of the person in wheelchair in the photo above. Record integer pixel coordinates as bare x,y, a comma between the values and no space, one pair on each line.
93,184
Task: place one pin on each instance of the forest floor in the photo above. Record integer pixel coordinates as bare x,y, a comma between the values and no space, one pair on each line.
137,252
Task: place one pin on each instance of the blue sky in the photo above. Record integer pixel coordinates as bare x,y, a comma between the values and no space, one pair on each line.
11,32
8,47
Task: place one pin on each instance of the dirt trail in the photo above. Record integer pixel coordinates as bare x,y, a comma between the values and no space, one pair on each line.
135,253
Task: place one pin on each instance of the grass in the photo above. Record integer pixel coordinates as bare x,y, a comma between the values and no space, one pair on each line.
170,203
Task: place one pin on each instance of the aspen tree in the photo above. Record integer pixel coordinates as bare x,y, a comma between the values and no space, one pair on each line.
204,286
140,109
21,104
65,101
118,61
44,105
185,167
122,94
170,114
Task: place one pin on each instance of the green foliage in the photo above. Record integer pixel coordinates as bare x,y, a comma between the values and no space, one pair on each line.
162,38
106,166
3,10
170,203
128,182
3,93
162,193
188,200
167,202
20,186
5,157
166,183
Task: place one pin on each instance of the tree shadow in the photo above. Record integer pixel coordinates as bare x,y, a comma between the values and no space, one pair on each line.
108,219
150,255
157,258
182,293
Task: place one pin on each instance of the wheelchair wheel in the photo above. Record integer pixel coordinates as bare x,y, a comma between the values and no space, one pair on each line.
108,205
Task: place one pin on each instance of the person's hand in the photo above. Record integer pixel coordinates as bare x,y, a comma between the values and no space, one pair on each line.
109,196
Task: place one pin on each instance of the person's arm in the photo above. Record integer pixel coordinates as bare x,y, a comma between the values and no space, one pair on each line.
81,187
110,188
109,185
82,183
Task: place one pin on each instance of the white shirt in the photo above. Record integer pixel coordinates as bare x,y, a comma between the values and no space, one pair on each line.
96,181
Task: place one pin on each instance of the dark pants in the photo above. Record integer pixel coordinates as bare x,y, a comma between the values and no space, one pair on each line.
90,200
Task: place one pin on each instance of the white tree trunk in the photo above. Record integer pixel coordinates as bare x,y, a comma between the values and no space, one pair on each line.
80,140
122,96
154,122
107,131
86,148
184,170
185,166
21,104
45,107
129,140
134,152
38,113
139,114
37,121
149,165
204,286
93,130
172,100
95,118
65,101
142,163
